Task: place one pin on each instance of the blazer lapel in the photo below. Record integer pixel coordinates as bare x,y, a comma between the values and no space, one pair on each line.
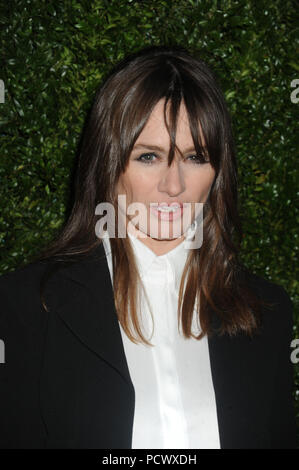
87,307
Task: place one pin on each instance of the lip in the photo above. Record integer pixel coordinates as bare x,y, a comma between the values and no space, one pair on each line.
163,204
169,216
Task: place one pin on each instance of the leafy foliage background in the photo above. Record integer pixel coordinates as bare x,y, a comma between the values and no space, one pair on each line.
53,57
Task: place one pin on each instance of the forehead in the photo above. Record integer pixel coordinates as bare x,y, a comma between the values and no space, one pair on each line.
155,128
156,118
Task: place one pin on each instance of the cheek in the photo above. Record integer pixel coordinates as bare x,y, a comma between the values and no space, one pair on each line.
143,180
199,185
136,185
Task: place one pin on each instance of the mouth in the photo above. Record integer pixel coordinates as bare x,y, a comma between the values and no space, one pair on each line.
163,206
166,211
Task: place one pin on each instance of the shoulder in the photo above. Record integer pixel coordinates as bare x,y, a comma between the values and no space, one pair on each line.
268,290
19,291
23,277
278,314
23,289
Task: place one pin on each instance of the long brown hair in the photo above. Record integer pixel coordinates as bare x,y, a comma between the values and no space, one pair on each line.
213,273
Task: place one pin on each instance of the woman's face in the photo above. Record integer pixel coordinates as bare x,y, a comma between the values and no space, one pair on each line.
148,180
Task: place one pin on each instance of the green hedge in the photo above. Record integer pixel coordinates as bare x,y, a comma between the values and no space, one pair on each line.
53,56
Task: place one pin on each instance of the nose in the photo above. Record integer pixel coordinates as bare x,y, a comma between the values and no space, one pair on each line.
172,180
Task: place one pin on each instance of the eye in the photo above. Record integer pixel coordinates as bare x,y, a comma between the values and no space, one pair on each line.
146,158
198,159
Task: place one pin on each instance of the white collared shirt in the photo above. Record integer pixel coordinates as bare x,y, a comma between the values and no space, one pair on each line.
175,405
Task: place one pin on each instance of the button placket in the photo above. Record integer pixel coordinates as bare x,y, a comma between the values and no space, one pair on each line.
169,271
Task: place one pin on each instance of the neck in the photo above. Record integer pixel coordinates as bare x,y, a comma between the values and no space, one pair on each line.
158,246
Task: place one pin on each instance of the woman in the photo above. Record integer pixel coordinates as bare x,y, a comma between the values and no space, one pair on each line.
131,336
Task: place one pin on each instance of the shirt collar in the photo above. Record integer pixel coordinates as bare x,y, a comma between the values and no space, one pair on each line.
152,265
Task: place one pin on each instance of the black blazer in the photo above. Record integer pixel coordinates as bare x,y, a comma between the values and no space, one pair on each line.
65,382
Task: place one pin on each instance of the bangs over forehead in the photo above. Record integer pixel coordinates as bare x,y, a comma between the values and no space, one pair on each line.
146,81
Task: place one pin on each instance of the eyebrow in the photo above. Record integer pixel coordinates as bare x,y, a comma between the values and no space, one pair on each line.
160,149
